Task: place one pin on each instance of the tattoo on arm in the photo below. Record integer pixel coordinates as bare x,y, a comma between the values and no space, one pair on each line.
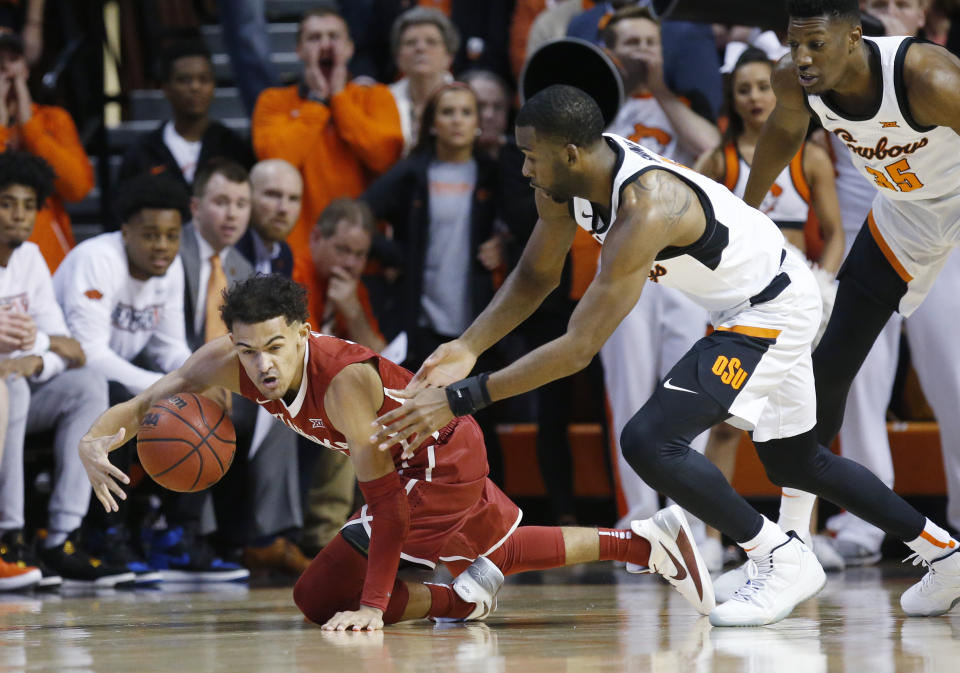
671,198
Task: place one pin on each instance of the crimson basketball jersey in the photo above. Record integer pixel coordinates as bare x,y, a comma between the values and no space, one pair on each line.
324,358
456,513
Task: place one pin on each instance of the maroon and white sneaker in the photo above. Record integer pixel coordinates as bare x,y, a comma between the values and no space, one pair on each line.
674,555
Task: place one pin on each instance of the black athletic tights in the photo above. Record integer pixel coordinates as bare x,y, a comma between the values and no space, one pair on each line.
656,441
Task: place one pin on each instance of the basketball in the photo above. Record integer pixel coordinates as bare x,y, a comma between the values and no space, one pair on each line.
186,442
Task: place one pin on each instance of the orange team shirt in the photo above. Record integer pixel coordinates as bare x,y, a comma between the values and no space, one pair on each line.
317,303
52,135
339,148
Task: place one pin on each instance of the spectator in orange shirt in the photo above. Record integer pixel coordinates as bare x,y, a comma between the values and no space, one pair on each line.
48,132
338,300
339,134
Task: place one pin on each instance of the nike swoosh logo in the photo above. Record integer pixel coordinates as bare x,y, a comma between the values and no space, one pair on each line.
586,215
681,571
686,550
670,386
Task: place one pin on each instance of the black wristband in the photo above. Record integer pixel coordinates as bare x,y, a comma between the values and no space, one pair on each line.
468,395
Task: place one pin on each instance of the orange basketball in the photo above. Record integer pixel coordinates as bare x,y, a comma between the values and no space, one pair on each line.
186,442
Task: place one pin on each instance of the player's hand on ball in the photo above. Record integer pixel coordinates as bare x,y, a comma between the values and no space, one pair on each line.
451,362
364,619
103,474
422,413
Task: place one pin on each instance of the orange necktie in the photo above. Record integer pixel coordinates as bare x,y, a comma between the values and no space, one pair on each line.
213,326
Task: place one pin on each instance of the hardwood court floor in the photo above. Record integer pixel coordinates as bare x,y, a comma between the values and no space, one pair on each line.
565,621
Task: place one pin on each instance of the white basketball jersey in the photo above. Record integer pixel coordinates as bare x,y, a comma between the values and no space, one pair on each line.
736,258
904,160
788,201
854,192
642,120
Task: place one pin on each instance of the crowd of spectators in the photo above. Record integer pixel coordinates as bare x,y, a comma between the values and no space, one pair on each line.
385,179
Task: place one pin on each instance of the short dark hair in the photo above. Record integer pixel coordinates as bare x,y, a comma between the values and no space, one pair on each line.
161,192
420,16
609,33
343,208
323,8
182,49
29,170
563,112
228,168
262,297
834,9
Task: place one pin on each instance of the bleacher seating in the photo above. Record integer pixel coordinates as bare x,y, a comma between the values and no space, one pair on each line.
145,108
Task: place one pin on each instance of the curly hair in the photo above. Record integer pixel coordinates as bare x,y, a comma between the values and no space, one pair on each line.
835,9
565,113
161,191
29,170
262,297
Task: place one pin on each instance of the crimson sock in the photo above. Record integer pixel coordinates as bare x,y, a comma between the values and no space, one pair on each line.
530,548
444,602
623,545
399,598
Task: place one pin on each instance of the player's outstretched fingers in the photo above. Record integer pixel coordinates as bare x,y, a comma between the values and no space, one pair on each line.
103,495
115,487
416,440
359,620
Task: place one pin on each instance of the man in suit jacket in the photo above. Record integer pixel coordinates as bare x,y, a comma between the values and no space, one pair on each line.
277,192
266,485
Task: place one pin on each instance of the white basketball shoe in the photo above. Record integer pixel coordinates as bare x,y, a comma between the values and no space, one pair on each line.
938,591
674,554
479,584
777,581
725,585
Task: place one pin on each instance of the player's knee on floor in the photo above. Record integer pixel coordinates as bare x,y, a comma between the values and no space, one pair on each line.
332,583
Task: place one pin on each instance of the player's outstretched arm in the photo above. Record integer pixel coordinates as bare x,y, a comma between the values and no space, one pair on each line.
711,163
214,364
932,76
351,403
782,134
823,193
535,276
656,211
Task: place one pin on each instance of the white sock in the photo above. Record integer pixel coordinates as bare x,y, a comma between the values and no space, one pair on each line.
795,510
762,543
933,543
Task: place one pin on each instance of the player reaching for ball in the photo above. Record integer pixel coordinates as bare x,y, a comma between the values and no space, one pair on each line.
436,507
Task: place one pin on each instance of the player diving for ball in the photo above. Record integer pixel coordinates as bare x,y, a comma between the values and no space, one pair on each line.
435,507
660,220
